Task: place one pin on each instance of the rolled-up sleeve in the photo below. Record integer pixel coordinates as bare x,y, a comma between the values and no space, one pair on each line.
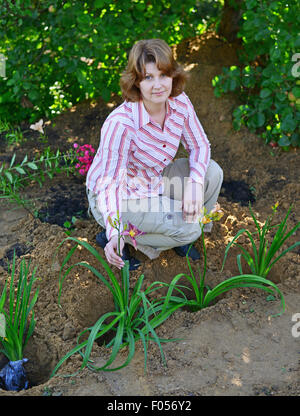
109,169
196,143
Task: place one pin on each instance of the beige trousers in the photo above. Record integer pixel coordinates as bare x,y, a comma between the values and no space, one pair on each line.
160,218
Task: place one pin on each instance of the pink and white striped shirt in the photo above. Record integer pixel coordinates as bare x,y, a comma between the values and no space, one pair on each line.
134,150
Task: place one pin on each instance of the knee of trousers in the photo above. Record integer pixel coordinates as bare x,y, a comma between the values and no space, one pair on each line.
187,234
220,174
214,178
217,172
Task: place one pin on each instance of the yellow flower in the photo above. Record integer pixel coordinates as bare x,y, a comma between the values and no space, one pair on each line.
216,213
216,216
274,207
132,233
206,219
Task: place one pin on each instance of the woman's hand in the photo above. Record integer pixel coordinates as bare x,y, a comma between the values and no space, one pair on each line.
111,251
193,201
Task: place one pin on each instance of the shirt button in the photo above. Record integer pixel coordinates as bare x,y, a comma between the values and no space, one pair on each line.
165,160
164,145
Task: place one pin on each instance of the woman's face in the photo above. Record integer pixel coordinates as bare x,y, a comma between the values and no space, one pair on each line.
156,87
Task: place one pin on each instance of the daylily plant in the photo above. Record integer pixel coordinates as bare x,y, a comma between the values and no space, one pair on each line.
129,229
133,232
18,323
135,316
202,301
266,252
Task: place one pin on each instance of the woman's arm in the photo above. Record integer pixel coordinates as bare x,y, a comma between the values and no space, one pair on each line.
109,171
196,143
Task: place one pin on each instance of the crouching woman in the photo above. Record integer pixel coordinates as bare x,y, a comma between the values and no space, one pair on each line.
134,172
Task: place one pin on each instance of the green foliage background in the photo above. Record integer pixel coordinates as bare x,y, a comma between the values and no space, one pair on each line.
267,80
61,52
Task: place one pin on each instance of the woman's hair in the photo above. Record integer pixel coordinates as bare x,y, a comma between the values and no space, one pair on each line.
143,52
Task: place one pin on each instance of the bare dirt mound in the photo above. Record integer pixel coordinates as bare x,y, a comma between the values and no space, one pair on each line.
234,347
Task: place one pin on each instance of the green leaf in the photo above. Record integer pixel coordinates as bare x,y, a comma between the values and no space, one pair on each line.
9,176
289,123
280,96
20,170
105,94
284,141
32,165
259,119
98,4
296,92
33,95
295,139
265,93
24,160
12,160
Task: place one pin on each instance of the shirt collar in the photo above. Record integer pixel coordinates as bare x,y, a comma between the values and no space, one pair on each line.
171,105
141,116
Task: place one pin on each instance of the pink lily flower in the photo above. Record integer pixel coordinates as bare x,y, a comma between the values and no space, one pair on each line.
133,232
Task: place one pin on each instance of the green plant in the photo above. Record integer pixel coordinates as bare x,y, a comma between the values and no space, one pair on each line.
15,176
266,253
4,126
14,136
203,300
135,317
62,52
19,315
69,225
11,135
266,78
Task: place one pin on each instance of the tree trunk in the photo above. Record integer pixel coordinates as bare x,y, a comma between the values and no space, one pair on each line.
230,20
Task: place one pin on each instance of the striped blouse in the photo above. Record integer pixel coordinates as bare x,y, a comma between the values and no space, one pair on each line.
134,150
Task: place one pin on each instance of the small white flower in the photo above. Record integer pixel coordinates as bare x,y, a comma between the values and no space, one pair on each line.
38,126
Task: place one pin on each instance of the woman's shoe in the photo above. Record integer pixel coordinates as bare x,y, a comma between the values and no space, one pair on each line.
101,239
134,263
182,250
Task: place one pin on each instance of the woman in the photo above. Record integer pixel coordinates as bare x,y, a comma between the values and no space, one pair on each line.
133,172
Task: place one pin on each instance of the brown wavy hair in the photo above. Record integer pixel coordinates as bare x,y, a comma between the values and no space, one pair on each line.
143,52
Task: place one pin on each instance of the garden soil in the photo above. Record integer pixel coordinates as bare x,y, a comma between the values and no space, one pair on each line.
234,347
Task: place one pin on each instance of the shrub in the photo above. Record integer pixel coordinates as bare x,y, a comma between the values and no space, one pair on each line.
61,52
266,79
